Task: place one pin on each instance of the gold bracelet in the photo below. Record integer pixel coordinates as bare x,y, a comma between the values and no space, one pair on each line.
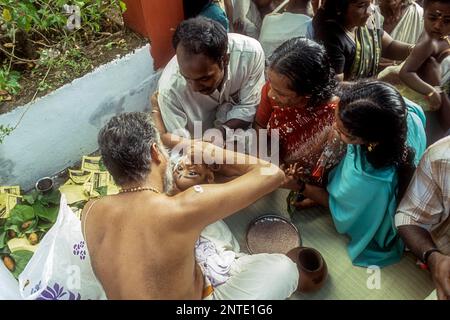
155,111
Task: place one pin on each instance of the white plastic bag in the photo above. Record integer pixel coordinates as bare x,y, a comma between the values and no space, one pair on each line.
60,269
9,288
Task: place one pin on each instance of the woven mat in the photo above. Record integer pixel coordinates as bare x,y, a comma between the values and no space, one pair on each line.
404,280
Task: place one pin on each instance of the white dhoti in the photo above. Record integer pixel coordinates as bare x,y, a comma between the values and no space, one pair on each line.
249,277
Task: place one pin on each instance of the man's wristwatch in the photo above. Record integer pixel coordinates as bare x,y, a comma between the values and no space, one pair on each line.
426,254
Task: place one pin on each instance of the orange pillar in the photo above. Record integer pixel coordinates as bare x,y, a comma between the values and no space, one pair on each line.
156,20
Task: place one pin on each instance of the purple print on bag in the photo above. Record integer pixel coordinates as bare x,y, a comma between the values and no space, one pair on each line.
79,250
57,293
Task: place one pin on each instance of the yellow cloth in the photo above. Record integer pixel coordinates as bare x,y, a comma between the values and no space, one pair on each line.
391,75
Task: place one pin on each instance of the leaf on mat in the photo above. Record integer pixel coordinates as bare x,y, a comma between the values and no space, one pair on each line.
21,259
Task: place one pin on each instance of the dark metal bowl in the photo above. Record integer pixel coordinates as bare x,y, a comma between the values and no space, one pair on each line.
268,219
44,185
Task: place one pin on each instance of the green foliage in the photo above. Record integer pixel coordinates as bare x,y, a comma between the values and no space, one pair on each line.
72,62
21,258
9,81
4,132
102,191
37,213
41,24
3,238
43,15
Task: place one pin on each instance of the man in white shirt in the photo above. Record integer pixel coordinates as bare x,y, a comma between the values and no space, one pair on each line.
215,79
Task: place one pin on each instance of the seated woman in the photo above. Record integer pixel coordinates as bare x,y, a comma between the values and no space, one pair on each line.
386,139
354,39
402,19
298,102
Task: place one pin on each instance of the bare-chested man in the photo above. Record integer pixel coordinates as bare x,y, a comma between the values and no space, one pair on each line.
141,242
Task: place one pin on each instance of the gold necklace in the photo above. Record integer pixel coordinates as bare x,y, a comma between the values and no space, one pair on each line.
137,189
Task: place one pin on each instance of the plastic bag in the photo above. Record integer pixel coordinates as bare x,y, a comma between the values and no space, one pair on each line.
9,288
60,269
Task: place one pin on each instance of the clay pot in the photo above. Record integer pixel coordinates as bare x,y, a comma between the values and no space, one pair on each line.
312,268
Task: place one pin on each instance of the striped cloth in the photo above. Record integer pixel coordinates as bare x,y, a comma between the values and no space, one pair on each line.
427,200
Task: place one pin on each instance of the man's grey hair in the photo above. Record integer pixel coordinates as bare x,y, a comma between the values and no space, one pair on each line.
125,144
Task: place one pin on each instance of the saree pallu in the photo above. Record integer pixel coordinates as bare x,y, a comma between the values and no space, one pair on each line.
367,54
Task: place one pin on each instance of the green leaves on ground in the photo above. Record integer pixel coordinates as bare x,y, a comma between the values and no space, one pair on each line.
20,214
38,213
102,191
3,238
21,259
48,214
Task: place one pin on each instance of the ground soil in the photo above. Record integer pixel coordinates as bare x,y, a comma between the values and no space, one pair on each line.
97,53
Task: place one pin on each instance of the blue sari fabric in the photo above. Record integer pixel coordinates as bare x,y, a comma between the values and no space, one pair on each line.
363,199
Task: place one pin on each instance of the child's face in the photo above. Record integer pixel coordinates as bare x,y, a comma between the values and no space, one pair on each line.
188,175
437,19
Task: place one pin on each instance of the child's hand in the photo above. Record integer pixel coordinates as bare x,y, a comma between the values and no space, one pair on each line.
294,170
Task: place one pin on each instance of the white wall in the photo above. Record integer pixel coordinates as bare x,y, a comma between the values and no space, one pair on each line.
62,126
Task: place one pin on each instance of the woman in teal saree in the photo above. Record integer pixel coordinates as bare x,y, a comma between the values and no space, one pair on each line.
386,138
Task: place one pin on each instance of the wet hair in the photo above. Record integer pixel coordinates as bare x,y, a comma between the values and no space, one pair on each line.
332,10
376,112
193,8
305,63
125,143
201,35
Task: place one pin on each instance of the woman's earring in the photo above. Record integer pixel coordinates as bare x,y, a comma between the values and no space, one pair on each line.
371,146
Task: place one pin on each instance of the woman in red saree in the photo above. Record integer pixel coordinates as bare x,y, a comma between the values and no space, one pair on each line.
298,101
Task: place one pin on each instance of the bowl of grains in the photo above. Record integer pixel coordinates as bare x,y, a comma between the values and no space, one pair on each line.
272,234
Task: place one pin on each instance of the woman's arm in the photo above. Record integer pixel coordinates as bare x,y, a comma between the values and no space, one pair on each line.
394,50
318,194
